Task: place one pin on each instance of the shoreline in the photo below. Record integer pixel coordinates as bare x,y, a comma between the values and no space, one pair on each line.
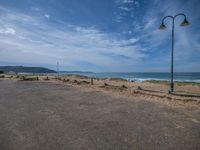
139,77
98,75
157,81
150,90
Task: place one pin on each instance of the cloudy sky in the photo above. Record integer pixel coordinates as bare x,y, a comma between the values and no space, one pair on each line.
99,35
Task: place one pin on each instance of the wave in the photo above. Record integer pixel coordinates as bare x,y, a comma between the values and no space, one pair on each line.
158,79
141,77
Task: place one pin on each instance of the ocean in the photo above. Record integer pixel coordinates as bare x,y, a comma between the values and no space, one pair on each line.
139,77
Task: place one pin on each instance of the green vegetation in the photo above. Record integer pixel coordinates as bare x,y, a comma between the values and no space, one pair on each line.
188,92
114,87
2,76
117,79
187,83
178,83
22,69
157,82
30,78
96,78
76,76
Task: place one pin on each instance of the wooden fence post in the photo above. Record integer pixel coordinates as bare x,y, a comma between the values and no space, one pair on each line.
92,81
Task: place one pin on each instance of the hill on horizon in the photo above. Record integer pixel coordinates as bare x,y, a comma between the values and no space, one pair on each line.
23,69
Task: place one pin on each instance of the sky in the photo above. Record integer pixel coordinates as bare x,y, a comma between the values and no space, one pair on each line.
99,35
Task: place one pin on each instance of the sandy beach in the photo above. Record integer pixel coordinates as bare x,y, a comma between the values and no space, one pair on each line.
186,94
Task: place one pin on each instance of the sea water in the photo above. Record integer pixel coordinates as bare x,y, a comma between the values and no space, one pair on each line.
139,76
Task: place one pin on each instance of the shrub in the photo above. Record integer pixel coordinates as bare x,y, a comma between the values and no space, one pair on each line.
117,79
124,86
105,84
30,78
2,76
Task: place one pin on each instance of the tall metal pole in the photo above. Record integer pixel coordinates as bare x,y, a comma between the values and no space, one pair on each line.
172,60
58,68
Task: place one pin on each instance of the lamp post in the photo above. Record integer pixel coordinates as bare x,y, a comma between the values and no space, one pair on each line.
57,68
162,27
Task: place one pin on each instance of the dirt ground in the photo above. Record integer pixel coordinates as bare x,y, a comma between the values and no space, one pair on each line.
49,116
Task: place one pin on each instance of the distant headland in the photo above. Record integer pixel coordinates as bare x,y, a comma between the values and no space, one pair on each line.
23,69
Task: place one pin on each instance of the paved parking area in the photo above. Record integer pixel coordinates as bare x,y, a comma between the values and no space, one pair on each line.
48,116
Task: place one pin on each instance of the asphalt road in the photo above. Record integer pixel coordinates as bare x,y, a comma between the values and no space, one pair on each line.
47,116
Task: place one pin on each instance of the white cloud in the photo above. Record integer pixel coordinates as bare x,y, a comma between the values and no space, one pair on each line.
29,39
128,1
159,42
8,31
133,40
134,3
125,8
47,16
41,43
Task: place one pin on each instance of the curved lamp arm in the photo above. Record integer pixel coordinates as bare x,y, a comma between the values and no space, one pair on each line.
180,14
167,17
184,23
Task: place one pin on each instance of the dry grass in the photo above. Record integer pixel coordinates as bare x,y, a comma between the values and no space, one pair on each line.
157,90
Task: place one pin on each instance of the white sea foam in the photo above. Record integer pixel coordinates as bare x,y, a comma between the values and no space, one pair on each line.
157,79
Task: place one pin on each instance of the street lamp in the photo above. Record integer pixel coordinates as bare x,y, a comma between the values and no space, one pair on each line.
162,27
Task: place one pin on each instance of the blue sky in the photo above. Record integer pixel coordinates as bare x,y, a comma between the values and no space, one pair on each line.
99,35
